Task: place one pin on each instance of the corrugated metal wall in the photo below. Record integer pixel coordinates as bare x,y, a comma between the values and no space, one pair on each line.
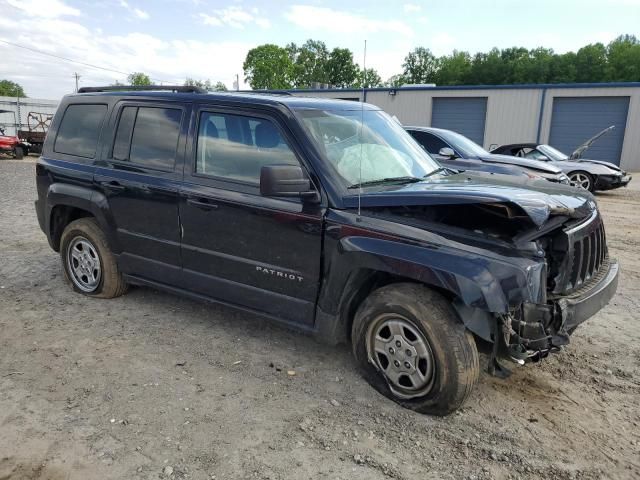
18,109
513,114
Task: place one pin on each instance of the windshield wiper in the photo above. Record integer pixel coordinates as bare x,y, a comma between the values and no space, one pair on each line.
437,170
382,181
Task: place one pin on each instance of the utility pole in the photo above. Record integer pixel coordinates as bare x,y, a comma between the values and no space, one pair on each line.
237,83
75,74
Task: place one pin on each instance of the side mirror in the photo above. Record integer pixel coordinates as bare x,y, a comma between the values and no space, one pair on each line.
543,159
285,181
447,152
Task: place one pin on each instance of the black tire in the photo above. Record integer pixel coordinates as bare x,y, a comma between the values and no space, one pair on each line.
111,283
18,153
585,175
455,368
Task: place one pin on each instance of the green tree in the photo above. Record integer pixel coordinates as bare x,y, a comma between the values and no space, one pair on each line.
219,87
139,79
591,63
453,69
368,79
562,68
624,59
268,67
420,66
395,81
341,70
11,89
534,67
309,63
488,69
206,84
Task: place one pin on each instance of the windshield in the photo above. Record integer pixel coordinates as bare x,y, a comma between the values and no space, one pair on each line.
551,153
366,146
464,146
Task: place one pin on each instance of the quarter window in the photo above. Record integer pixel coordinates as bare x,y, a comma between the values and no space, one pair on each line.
148,136
237,147
80,129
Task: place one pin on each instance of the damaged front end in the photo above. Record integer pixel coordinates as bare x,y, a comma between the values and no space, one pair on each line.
580,279
526,263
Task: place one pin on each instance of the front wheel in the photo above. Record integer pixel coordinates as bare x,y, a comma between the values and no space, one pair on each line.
582,180
18,153
411,346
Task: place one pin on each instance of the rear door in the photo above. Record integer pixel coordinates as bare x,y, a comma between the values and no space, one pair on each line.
139,175
240,247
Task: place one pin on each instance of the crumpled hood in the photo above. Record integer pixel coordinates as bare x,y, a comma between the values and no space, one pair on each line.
539,199
573,164
522,162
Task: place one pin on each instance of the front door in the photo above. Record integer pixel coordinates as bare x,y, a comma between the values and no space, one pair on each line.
139,175
238,246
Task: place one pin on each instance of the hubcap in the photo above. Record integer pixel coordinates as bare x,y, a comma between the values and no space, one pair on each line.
580,180
84,264
402,353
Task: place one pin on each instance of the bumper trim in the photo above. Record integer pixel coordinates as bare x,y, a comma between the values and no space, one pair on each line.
576,310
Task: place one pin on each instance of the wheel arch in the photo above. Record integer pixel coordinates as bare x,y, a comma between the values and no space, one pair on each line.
66,203
352,273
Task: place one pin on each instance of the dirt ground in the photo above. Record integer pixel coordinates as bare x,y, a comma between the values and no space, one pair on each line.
152,386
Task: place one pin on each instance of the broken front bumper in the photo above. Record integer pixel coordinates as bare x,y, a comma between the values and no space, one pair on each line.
544,328
609,182
582,305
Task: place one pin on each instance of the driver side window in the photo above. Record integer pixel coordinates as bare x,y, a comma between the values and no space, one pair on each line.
236,147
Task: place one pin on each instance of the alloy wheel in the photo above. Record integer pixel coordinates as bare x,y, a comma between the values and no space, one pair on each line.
580,180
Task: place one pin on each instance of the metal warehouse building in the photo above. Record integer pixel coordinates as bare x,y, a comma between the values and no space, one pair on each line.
562,115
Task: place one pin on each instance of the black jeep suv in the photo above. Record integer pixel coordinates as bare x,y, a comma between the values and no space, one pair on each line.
327,216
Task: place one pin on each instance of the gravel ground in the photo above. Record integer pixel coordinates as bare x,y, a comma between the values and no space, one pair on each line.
152,386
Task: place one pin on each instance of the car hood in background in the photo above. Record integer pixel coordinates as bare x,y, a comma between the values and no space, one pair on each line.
522,162
539,199
597,167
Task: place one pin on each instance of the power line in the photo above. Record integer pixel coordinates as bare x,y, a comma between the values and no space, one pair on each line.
73,61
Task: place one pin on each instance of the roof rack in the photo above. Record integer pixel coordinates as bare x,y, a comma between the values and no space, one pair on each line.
261,92
128,88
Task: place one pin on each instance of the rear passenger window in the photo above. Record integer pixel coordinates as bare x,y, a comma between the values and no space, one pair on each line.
79,130
148,136
237,147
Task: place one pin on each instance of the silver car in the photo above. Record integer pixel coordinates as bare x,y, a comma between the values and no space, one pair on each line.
591,175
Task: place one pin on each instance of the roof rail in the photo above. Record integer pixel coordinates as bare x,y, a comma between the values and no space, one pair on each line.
261,92
129,88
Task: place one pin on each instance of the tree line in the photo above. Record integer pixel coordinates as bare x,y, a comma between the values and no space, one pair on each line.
270,66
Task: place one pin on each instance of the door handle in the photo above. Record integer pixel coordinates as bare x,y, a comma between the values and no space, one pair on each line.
113,185
202,204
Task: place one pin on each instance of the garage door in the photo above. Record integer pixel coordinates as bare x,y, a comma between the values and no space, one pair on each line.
576,119
463,115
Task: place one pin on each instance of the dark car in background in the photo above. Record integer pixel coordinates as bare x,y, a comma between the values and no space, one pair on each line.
457,152
592,175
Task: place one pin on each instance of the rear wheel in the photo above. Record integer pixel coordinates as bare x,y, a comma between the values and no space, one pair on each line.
411,347
581,179
87,261
18,153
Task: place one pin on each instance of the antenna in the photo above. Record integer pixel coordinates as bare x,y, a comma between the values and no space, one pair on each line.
364,82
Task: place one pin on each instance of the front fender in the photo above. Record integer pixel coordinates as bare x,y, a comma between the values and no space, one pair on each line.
476,277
